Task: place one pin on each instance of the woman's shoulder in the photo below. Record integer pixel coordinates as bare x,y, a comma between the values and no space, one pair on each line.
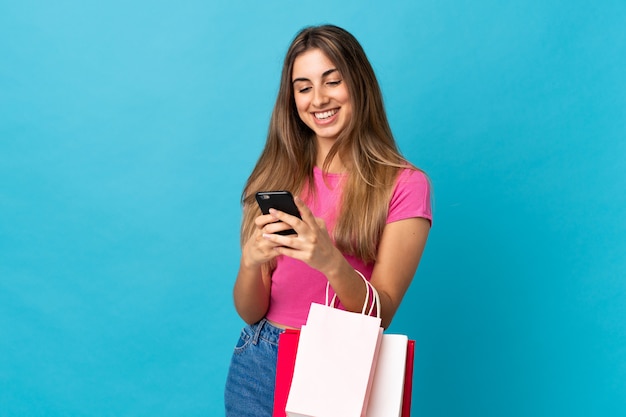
412,175
411,196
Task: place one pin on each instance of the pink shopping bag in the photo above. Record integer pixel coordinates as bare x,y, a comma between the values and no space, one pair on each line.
287,348
408,380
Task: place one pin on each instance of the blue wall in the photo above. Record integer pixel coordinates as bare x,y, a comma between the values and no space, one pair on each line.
127,130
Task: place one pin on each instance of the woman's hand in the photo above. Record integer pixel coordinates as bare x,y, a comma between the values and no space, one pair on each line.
311,244
258,250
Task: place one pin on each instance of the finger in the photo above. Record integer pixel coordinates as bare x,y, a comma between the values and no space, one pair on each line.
280,241
305,211
279,227
263,220
292,221
260,250
307,217
289,248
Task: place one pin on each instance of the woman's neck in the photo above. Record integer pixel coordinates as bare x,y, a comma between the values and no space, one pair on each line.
336,165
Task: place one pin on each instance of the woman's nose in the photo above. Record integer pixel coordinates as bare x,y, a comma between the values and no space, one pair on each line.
319,98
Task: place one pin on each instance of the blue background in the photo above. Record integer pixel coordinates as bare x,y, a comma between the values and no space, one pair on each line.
127,130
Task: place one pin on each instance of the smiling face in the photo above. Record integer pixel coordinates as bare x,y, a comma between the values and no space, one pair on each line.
321,95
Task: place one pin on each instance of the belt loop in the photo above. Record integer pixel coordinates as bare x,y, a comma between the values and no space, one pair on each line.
257,332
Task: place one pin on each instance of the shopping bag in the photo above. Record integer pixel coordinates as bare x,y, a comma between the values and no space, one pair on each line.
287,348
388,386
335,362
408,380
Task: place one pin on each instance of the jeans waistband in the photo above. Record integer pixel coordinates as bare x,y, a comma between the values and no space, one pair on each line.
266,330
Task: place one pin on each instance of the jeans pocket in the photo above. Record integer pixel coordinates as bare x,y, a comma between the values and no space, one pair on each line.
244,341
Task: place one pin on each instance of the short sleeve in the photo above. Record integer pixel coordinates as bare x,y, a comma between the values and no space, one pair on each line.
411,197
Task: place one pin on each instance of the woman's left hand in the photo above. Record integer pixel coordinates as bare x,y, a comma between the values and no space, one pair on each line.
312,244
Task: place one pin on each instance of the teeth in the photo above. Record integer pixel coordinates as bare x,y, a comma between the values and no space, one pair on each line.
326,114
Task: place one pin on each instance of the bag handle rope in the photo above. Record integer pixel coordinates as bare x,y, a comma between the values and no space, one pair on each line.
368,286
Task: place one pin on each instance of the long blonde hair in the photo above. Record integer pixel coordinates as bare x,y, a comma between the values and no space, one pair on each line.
366,146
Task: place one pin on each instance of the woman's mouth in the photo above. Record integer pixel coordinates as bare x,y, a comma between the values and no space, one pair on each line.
325,115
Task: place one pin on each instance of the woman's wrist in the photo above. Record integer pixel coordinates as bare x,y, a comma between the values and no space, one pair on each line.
247,261
248,264
337,267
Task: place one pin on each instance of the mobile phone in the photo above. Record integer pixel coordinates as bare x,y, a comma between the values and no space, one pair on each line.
279,200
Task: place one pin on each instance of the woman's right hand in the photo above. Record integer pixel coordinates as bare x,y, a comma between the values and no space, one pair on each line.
258,250
252,286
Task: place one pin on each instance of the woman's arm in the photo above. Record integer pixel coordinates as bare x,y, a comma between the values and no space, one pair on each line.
251,292
399,253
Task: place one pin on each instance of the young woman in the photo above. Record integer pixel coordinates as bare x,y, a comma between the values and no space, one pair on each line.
364,208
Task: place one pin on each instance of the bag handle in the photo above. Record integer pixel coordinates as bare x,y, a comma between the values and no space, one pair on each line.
376,300
367,294
368,286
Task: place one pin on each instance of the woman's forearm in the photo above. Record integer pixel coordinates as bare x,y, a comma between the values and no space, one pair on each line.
251,293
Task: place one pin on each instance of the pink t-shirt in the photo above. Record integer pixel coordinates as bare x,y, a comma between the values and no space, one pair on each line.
295,285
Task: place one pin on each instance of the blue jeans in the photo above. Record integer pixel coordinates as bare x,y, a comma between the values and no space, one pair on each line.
251,377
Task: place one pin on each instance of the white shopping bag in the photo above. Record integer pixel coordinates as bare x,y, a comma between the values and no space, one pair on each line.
388,387
335,363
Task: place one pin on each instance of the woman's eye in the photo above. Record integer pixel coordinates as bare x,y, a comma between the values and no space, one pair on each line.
304,89
334,83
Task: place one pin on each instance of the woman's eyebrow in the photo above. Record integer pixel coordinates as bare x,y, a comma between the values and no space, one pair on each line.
324,75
